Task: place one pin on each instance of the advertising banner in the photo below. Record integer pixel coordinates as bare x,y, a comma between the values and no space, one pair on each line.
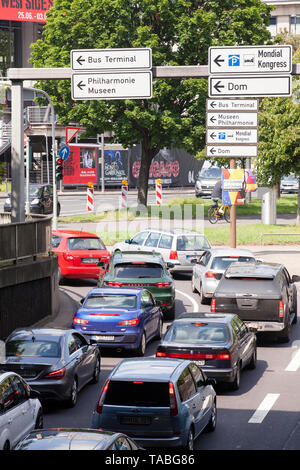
115,166
25,10
80,166
233,187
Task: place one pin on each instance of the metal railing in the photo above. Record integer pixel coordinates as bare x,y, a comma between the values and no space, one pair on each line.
38,114
24,240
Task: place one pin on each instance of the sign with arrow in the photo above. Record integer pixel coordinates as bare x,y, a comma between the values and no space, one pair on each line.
231,119
231,136
231,105
250,59
64,152
111,59
262,85
231,151
111,86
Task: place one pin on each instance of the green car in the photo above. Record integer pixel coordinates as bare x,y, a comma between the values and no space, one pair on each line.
142,270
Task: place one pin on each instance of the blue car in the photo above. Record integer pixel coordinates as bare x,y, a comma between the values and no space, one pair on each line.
159,402
120,318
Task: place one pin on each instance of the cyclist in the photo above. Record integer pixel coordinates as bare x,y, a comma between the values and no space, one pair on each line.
216,194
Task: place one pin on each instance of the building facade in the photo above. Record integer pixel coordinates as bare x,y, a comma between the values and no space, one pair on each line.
285,16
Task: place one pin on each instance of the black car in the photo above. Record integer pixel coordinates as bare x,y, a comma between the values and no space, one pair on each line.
40,197
76,439
263,295
221,344
56,362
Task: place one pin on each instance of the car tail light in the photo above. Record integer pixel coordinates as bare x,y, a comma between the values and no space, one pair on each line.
113,284
194,356
213,306
280,309
173,401
163,284
101,399
80,321
173,254
56,374
68,257
210,274
132,322
161,354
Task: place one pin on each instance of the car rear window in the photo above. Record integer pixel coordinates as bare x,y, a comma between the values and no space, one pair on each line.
222,262
138,270
85,243
111,301
197,332
137,393
192,242
32,348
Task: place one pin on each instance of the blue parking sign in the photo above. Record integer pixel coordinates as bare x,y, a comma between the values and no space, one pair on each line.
234,60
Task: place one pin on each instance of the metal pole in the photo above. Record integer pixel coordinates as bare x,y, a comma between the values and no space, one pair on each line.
17,153
233,213
27,204
102,164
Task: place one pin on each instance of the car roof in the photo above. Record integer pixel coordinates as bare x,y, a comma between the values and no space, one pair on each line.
40,332
147,368
114,291
208,317
256,269
176,231
137,257
74,233
231,252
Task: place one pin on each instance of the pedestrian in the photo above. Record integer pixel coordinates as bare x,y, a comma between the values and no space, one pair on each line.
216,194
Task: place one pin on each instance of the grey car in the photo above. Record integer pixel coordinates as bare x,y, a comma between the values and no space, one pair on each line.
40,200
56,362
289,184
206,181
177,247
208,269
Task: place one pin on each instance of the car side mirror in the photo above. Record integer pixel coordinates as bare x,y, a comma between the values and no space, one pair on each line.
194,261
170,265
211,381
295,278
128,241
82,300
34,394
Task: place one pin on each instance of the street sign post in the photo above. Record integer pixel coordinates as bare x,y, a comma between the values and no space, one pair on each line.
111,59
250,59
111,86
262,85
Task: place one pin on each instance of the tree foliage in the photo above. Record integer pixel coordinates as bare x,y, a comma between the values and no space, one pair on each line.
179,32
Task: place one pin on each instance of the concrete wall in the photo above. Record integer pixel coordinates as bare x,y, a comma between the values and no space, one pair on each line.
29,293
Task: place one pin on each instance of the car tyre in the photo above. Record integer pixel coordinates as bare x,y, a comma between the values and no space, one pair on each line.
6,445
60,277
236,383
170,313
211,426
203,300
295,309
71,402
285,335
193,285
159,329
252,363
39,422
190,440
140,351
97,370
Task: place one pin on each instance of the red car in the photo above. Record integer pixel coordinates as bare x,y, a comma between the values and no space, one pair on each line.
78,254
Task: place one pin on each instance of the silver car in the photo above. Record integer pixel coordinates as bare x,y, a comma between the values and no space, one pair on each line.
289,184
177,247
209,268
206,181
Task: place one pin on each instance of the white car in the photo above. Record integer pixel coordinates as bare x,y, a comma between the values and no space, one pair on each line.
209,268
177,247
20,410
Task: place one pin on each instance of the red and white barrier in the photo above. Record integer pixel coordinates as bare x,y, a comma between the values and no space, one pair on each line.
124,191
90,198
158,192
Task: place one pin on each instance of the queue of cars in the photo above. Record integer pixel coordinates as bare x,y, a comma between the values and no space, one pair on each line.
162,401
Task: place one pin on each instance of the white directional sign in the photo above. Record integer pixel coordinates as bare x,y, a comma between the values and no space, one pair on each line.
231,151
111,86
232,105
263,85
231,136
250,59
231,119
111,59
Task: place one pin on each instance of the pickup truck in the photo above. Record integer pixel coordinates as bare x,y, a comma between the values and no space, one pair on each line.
263,295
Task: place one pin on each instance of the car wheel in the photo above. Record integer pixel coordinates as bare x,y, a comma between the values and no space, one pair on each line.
193,285
39,422
159,329
190,440
96,375
58,210
170,314
285,335
6,445
71,402
203,300
295,309
236,383
252,363
142,346
211,426
60,277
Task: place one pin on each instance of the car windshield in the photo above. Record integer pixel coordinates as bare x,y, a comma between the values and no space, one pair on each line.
138,270
32,348
222,262
211,173
137,393
35,191
290,178
111,301
192,242
197,332
85,243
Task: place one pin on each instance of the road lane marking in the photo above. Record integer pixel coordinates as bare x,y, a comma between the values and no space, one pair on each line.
193,301
264,408
294,363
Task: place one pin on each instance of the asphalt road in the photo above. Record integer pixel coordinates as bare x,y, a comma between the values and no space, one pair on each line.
262,415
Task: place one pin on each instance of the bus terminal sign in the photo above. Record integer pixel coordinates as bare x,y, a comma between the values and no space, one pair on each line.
25,10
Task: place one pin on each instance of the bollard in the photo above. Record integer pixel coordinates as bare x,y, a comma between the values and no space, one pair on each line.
124,191
158,192
90,197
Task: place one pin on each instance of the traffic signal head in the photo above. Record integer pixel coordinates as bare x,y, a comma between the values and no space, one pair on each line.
59,168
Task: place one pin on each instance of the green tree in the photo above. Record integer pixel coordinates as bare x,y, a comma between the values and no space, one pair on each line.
179,32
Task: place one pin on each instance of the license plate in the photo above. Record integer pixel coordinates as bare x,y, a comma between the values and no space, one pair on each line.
135,420
90,260
200,363
103,338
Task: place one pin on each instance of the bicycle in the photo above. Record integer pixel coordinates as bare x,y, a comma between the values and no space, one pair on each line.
216,213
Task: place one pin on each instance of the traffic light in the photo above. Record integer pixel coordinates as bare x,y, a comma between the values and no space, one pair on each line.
59,168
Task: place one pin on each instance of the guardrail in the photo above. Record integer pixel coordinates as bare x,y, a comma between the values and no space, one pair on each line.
19,241
278,234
